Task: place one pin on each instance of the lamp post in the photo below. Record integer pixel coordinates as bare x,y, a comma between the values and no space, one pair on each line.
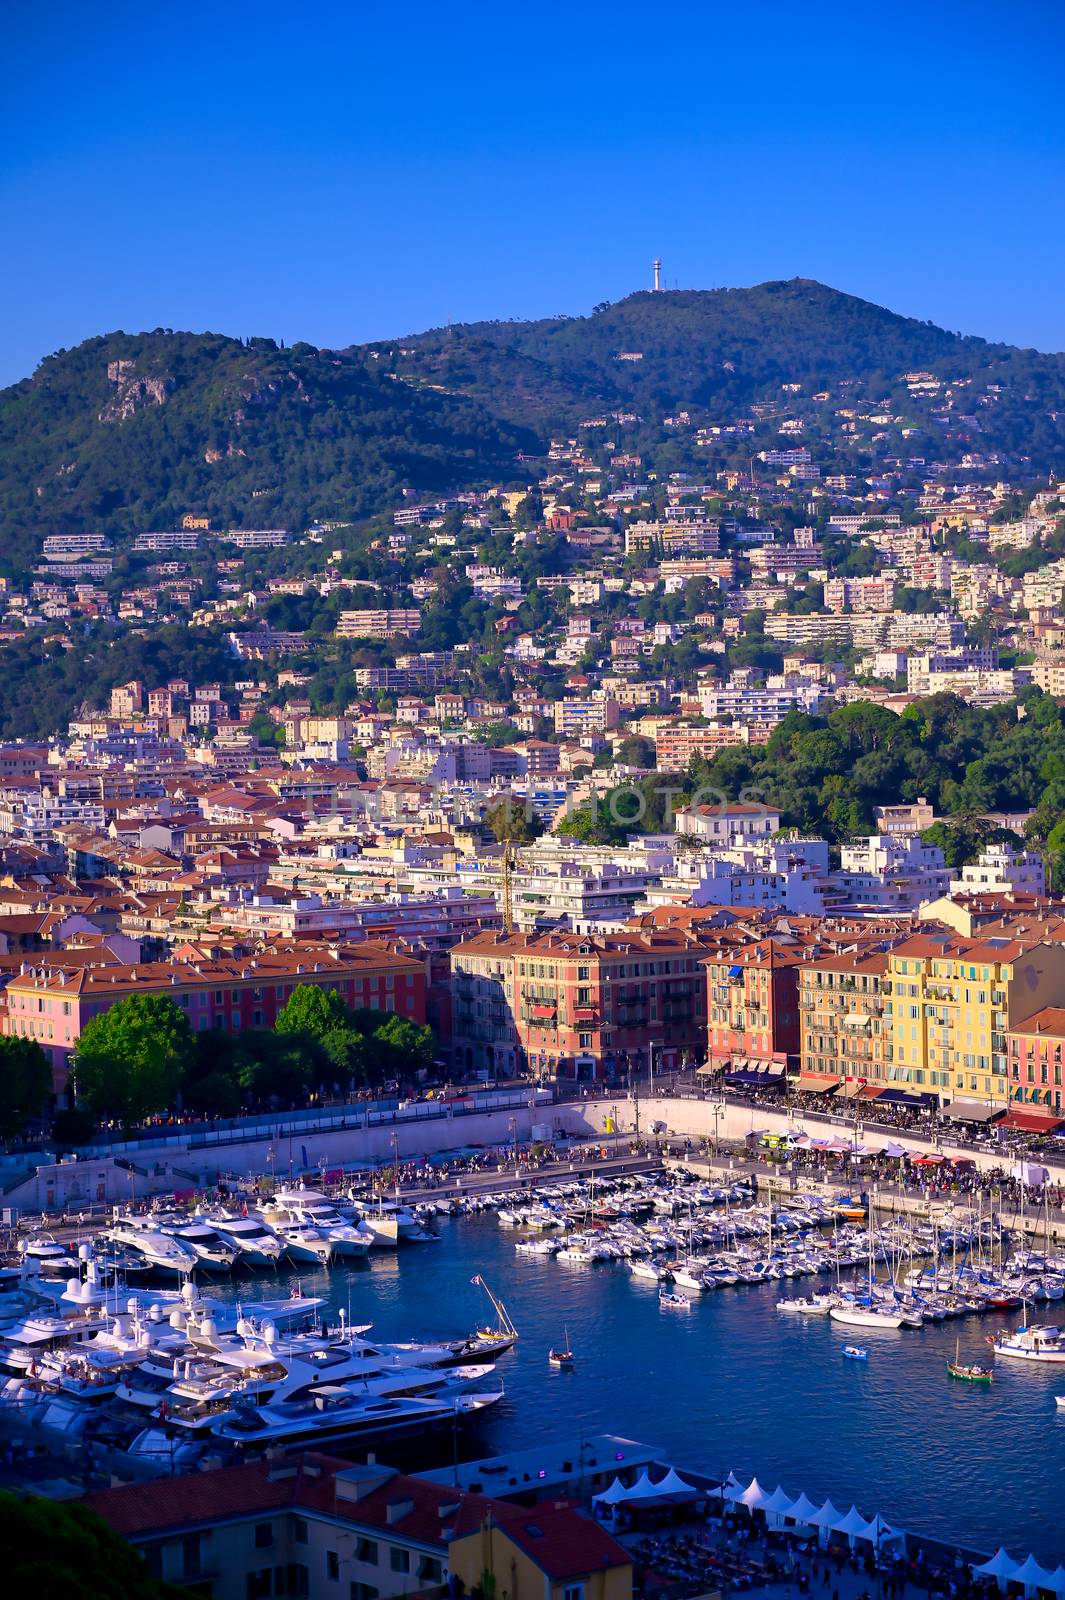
393,1140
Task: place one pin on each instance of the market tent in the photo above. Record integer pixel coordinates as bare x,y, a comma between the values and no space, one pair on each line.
854,1526
893,1150
803,1509
883,1533
673,1487
777,1506
1001,1567
1032,1575
1031,1173
1056,1581
642,1490
753,1496
824,1520
612,1496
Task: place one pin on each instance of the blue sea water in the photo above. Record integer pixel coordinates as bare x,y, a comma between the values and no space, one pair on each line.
733,1383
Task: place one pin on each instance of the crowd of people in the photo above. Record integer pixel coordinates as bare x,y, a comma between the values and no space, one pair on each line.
740,1552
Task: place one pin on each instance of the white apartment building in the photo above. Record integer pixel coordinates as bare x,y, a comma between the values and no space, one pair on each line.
890,873
1002,869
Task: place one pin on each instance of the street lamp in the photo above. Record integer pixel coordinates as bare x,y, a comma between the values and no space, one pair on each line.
394,1142
271,1156
512,1125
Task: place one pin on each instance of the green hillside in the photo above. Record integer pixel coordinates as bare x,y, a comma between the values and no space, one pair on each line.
711,349
129,431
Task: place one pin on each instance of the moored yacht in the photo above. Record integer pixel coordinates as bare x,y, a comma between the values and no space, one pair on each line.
1031,1343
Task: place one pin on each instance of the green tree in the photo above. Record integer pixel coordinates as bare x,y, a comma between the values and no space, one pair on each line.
312,1010
131,1060
60,1551
411,1045
513,821
25,1082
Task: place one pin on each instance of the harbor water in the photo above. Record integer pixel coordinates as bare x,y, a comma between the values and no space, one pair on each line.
734,1384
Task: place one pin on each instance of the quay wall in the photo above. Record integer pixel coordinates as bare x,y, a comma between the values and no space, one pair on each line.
181,1161
731,1121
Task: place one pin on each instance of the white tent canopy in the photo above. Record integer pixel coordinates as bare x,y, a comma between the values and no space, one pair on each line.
1001,1567
642,1489
612,1496
674,1484
803,1509
753,1497
1032,1575
827,1517
854,1525
778,1504
1056,1581
883,1532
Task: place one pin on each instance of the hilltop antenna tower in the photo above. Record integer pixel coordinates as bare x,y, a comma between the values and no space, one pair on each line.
656,268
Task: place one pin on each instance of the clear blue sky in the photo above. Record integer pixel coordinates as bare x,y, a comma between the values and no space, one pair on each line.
338,172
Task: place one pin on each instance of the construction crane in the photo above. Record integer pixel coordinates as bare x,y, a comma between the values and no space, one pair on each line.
508,903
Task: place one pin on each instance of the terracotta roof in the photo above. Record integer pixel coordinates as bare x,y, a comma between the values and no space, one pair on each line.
308,1482
1050,1020
563,1542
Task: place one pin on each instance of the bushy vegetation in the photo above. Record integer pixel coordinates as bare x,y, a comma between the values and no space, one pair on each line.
251,434
828,774
44,681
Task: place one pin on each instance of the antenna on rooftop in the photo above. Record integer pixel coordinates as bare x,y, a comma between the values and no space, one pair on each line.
656,268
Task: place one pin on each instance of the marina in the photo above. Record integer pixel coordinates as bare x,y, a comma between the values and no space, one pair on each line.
750,1377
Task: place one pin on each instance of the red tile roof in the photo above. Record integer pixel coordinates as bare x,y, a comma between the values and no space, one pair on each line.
563,1542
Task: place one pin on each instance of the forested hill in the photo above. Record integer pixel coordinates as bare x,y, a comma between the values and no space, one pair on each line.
709,349
129,431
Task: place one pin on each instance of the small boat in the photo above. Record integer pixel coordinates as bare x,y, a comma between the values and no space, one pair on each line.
563,1358
855,1352
968,1373
678,1302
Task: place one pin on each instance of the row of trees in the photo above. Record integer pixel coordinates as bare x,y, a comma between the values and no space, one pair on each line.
140,1057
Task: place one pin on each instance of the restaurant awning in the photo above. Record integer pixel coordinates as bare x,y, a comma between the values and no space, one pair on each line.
850,1088
760,1080
972,1111
1032,1121
817,1082
906,1097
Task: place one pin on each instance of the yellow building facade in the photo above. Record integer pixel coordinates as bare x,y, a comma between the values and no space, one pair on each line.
949,1003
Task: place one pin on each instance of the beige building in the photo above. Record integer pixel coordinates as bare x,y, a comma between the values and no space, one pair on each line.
841,1020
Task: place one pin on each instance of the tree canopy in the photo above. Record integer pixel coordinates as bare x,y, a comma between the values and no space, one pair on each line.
25,1082
130,1060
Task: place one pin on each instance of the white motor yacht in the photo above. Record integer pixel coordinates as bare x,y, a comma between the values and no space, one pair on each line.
1032,1343
308,1208
256,1244
161,1251
337,1414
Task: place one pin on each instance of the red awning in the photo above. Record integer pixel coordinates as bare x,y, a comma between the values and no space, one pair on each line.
1032,1121
869,1091
820,1082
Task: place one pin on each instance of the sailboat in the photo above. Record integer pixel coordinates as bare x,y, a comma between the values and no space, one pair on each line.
563,1358
971,1373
